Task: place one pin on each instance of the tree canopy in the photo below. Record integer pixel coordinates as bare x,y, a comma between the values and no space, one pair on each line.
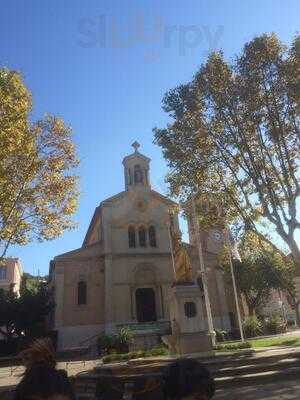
38,188
261,270
25,315
234,136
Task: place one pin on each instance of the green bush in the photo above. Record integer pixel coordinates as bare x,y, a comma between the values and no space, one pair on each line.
252,326
275,325
233,346
157,351
221,336
111,358
116,342
136,354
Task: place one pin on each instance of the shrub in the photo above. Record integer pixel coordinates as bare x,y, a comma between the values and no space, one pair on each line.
221,336
252,326
233,346
110,358
136,354
275,325
157,351
117,342
124,337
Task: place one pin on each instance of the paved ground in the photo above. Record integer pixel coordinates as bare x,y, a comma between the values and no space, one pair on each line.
288,390
11,375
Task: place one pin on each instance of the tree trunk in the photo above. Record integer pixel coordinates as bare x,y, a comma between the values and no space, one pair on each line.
251,310
295,251
297,313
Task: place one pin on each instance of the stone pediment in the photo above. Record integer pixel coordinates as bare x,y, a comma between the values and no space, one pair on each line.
136,156
140,199
93,250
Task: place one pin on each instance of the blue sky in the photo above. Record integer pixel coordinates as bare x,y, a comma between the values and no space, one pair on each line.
103,66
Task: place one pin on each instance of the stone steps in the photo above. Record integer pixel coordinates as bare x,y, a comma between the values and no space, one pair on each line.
228,370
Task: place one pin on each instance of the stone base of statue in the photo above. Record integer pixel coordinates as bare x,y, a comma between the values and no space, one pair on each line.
189,331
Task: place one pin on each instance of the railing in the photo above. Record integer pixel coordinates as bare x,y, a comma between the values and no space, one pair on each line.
88,339
155,326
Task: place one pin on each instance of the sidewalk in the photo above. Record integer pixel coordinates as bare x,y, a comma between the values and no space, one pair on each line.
10,376
285,390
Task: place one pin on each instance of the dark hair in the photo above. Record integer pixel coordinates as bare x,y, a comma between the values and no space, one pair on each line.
41,379
185,377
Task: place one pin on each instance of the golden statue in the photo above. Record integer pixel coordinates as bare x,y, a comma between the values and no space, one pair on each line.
181,261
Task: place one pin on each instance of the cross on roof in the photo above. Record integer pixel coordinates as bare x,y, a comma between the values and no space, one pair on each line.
136,146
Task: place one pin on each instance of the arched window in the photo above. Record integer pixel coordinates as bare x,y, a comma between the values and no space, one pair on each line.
138,174
131,237
3,272
142,237
152,236
81,293
129,177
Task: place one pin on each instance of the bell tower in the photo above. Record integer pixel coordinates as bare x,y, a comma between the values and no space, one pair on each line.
136,169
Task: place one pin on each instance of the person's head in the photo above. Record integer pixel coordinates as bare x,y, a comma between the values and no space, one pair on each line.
188,379
41,380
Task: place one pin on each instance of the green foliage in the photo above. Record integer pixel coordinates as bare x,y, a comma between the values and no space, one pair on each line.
221,335
24,316
252,326
125,336
32,308
261,270
117,342
289,340
275,325
155,352
136,354
111,358
233,346
233,135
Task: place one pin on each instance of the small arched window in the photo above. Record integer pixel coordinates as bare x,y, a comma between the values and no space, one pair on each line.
81,293
131,237
142,237
138,174
152,236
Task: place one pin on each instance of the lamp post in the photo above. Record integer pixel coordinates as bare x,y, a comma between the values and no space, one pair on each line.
202,273
234,285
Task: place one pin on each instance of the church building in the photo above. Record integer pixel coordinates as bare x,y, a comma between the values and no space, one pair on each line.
122,273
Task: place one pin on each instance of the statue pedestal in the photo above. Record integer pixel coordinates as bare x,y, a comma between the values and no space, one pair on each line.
187,319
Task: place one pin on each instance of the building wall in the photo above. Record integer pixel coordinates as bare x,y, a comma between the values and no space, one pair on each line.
13,275
67,275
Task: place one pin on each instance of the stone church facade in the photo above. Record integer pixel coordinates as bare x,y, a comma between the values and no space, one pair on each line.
123,272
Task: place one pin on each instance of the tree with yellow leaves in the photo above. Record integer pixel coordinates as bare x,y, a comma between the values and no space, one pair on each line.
38,188
234,136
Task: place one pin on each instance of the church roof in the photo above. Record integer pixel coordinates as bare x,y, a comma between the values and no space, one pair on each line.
116,197
136,154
